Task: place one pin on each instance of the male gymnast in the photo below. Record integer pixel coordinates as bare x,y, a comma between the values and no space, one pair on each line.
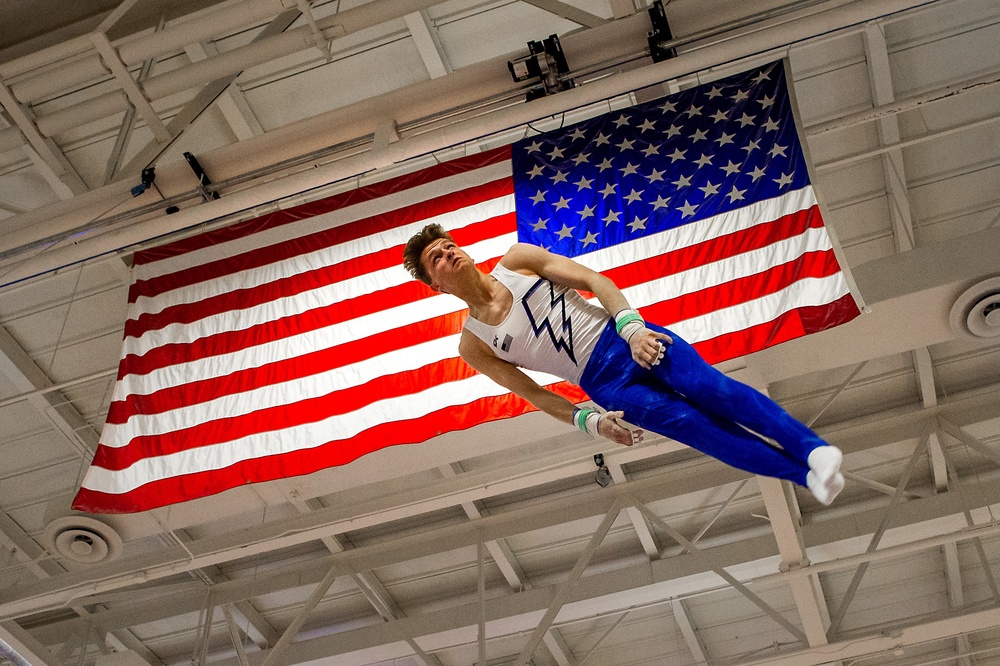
626,366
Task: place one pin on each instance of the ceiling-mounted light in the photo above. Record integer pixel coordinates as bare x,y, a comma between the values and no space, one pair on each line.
545,61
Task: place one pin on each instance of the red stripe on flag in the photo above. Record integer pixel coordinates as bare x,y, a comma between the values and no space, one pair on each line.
786,327
369,226
241,299
200,484
716,249
278,329
329,204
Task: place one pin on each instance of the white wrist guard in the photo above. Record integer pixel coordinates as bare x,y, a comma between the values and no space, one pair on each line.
628,323
587,419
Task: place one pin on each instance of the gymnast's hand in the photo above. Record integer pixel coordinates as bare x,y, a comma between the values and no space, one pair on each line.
648,347
611,427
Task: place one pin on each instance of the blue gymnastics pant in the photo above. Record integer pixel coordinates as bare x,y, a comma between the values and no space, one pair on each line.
688,400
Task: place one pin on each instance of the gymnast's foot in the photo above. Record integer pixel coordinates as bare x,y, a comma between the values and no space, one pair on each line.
825,461
825,493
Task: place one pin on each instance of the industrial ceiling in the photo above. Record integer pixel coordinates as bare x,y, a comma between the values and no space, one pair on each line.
495,546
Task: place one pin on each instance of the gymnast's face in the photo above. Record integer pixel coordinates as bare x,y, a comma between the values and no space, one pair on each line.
445,263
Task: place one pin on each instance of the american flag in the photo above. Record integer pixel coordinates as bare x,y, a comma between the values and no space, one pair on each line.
295,342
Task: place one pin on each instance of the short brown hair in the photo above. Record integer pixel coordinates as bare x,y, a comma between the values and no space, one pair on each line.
415,248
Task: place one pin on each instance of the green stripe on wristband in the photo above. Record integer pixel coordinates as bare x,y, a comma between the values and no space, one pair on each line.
580,417
625,319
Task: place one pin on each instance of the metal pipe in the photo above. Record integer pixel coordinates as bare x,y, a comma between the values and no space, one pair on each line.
759,41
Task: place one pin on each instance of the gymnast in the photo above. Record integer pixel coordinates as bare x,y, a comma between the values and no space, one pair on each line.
527,313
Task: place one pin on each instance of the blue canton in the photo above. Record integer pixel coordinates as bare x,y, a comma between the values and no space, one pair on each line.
656,166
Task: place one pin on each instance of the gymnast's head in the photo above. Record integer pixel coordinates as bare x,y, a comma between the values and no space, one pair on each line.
413,254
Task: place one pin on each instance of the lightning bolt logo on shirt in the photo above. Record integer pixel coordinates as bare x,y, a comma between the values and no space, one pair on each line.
554,321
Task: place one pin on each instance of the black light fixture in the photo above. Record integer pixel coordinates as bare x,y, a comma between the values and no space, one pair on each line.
660,33
203,181
145,181
545,61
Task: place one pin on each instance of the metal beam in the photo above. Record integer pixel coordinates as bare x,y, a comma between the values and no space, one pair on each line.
425,36
317,595
569,12
852,588
29,649
646,536
562,595
200,102
232,103
688,631
722,573
880,429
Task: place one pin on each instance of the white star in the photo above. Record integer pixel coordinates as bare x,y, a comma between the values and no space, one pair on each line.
720,116
580,158
786,179
533,147
761,76
589,239
638,223
693,111
612,216
565,232
540,225
630,169
709,189
609,189
724,139
777,150
745,120
766,102
714,92
752,146
668,106
678,154
560,177
756,174
556,152
583,183
683,181
674,130
660,203
740,95
605,165
634,195
731,168
656,175
536,171
602,139
735,194
621,121
562,203
539,197
577,134
647,124
588,211
650,150
704,160
771,125
687,210
699,135
626,144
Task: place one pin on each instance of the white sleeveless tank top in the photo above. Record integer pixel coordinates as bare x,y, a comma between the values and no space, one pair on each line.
550,327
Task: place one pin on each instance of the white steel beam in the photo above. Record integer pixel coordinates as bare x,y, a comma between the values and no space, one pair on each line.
214,549
921,524
425,37
646,536
688,631
132,90
25,374
569,12
29,649
232,103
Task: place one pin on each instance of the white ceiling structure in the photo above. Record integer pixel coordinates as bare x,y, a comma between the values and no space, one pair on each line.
507,553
